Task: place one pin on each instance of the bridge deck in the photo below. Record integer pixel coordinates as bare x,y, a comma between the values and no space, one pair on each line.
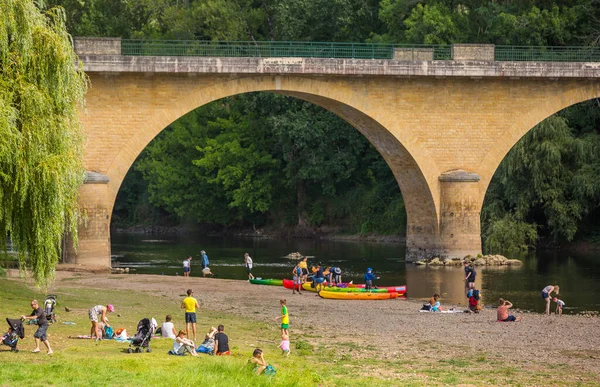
341,67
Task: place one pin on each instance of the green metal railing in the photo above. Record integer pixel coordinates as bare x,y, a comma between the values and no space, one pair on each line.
547,54
256,49
346,50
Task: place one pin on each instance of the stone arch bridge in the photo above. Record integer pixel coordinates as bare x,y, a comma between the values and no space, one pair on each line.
442,126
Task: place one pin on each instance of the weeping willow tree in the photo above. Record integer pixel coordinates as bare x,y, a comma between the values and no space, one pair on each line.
41,138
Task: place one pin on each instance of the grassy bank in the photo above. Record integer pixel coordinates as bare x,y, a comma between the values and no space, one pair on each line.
316,359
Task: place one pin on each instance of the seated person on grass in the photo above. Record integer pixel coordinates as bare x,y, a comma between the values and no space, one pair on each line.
221,343
260,364
181,345
208,345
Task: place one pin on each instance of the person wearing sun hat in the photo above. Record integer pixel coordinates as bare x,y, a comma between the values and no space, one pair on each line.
94,313
369,277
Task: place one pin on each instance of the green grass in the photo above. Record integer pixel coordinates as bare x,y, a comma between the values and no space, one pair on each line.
313,361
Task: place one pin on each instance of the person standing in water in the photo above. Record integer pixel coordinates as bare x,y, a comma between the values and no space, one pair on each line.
204,259
248,264
546,292
560,304
187,267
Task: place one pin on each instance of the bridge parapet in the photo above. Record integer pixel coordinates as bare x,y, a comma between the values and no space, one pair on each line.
114,55
97,46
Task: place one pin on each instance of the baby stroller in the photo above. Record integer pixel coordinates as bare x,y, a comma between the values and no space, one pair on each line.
145,329
49,304
15,332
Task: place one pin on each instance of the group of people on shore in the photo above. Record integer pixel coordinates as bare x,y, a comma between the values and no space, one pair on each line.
187,265
216,342
503,315
320,274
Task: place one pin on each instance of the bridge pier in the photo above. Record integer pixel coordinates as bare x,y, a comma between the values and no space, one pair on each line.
93,248
460,210
458,233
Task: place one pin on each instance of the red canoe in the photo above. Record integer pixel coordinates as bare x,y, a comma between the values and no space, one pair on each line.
289,284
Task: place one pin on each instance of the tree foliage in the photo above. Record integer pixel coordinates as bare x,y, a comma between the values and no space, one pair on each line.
41,88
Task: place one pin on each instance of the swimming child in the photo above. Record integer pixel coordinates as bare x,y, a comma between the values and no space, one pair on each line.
369,277
560,304
285,345
285,317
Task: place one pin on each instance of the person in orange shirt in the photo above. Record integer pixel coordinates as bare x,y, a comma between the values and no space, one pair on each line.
503,311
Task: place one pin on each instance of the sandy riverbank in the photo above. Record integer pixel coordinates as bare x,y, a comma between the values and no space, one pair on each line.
395,328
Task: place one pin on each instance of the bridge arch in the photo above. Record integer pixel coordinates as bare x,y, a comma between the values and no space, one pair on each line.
126,111
545,102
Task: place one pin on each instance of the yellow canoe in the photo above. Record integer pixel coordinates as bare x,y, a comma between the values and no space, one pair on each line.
356,296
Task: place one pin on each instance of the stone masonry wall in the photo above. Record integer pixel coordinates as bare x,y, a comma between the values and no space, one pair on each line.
473,52
97,46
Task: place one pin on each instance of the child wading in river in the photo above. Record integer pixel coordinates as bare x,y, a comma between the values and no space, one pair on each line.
560,304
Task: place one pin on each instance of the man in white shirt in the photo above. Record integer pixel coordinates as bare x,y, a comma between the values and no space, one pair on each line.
248,264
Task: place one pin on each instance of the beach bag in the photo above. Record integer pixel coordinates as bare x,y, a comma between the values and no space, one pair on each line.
108,333
270,370
426,307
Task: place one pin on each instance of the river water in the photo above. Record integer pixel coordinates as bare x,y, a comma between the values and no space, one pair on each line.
577,275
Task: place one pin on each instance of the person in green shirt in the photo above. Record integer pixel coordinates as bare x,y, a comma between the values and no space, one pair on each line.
285,317
190,304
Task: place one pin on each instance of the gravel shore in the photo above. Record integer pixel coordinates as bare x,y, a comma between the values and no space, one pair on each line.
395,329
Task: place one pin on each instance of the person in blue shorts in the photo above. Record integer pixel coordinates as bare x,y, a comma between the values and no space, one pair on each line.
190,304
187,267
546,295
318,278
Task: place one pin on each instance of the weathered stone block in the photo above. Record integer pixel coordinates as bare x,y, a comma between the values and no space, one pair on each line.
401,53
479,52
97,46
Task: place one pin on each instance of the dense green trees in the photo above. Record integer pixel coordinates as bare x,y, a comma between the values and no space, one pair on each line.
253,159
266,159
41,144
